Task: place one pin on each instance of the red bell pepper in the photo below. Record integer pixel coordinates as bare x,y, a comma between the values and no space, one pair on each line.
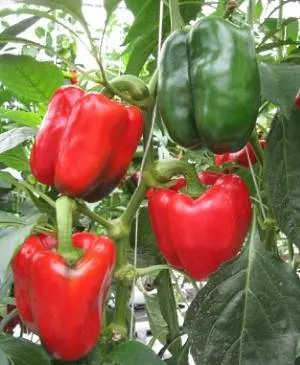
63,304
86,151
240,157
197,235
46,146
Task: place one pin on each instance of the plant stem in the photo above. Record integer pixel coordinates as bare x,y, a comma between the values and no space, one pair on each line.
279,26
33,190
150,269
134,204
250,13
84,209
122,289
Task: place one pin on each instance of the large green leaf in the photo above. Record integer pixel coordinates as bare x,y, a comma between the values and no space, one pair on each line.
28,78
14,137
19,27
145,21
15,158
282,173
12,237
110,6
133,353
280,83
20,117
248,313
158,325
3,358
140,50
72,7
23,352
133,5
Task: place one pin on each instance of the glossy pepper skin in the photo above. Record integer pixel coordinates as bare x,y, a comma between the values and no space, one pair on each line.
209,83
47,142
240,157
175,97
63,304
198,235
90,150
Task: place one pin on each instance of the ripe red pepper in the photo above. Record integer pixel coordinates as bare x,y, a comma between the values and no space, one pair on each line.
197,235
63,304
86,143
240,157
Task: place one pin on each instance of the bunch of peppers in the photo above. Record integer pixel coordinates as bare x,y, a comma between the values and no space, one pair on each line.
84,147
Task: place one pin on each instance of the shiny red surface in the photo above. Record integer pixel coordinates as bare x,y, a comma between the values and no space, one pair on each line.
63,304
240,157
86,143
47,142
200,234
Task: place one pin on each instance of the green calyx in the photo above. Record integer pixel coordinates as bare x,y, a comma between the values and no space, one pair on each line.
161,172
132,89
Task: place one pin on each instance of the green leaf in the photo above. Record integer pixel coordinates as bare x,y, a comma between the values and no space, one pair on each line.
72,7
21,117
11,238
280,83
248,313
110,6
19,27
3,358
147,250
145,21
282,173
5,95
23,352
10,219
133,353
292,29
189,10
40,32
140,50
270,46
133,5
28,78
14,137
15,158
257,10
158,325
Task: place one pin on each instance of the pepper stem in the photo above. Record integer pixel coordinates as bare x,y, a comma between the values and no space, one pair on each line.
254,141
162,171
64,218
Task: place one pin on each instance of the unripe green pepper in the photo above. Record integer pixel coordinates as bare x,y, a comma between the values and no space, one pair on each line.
209,83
